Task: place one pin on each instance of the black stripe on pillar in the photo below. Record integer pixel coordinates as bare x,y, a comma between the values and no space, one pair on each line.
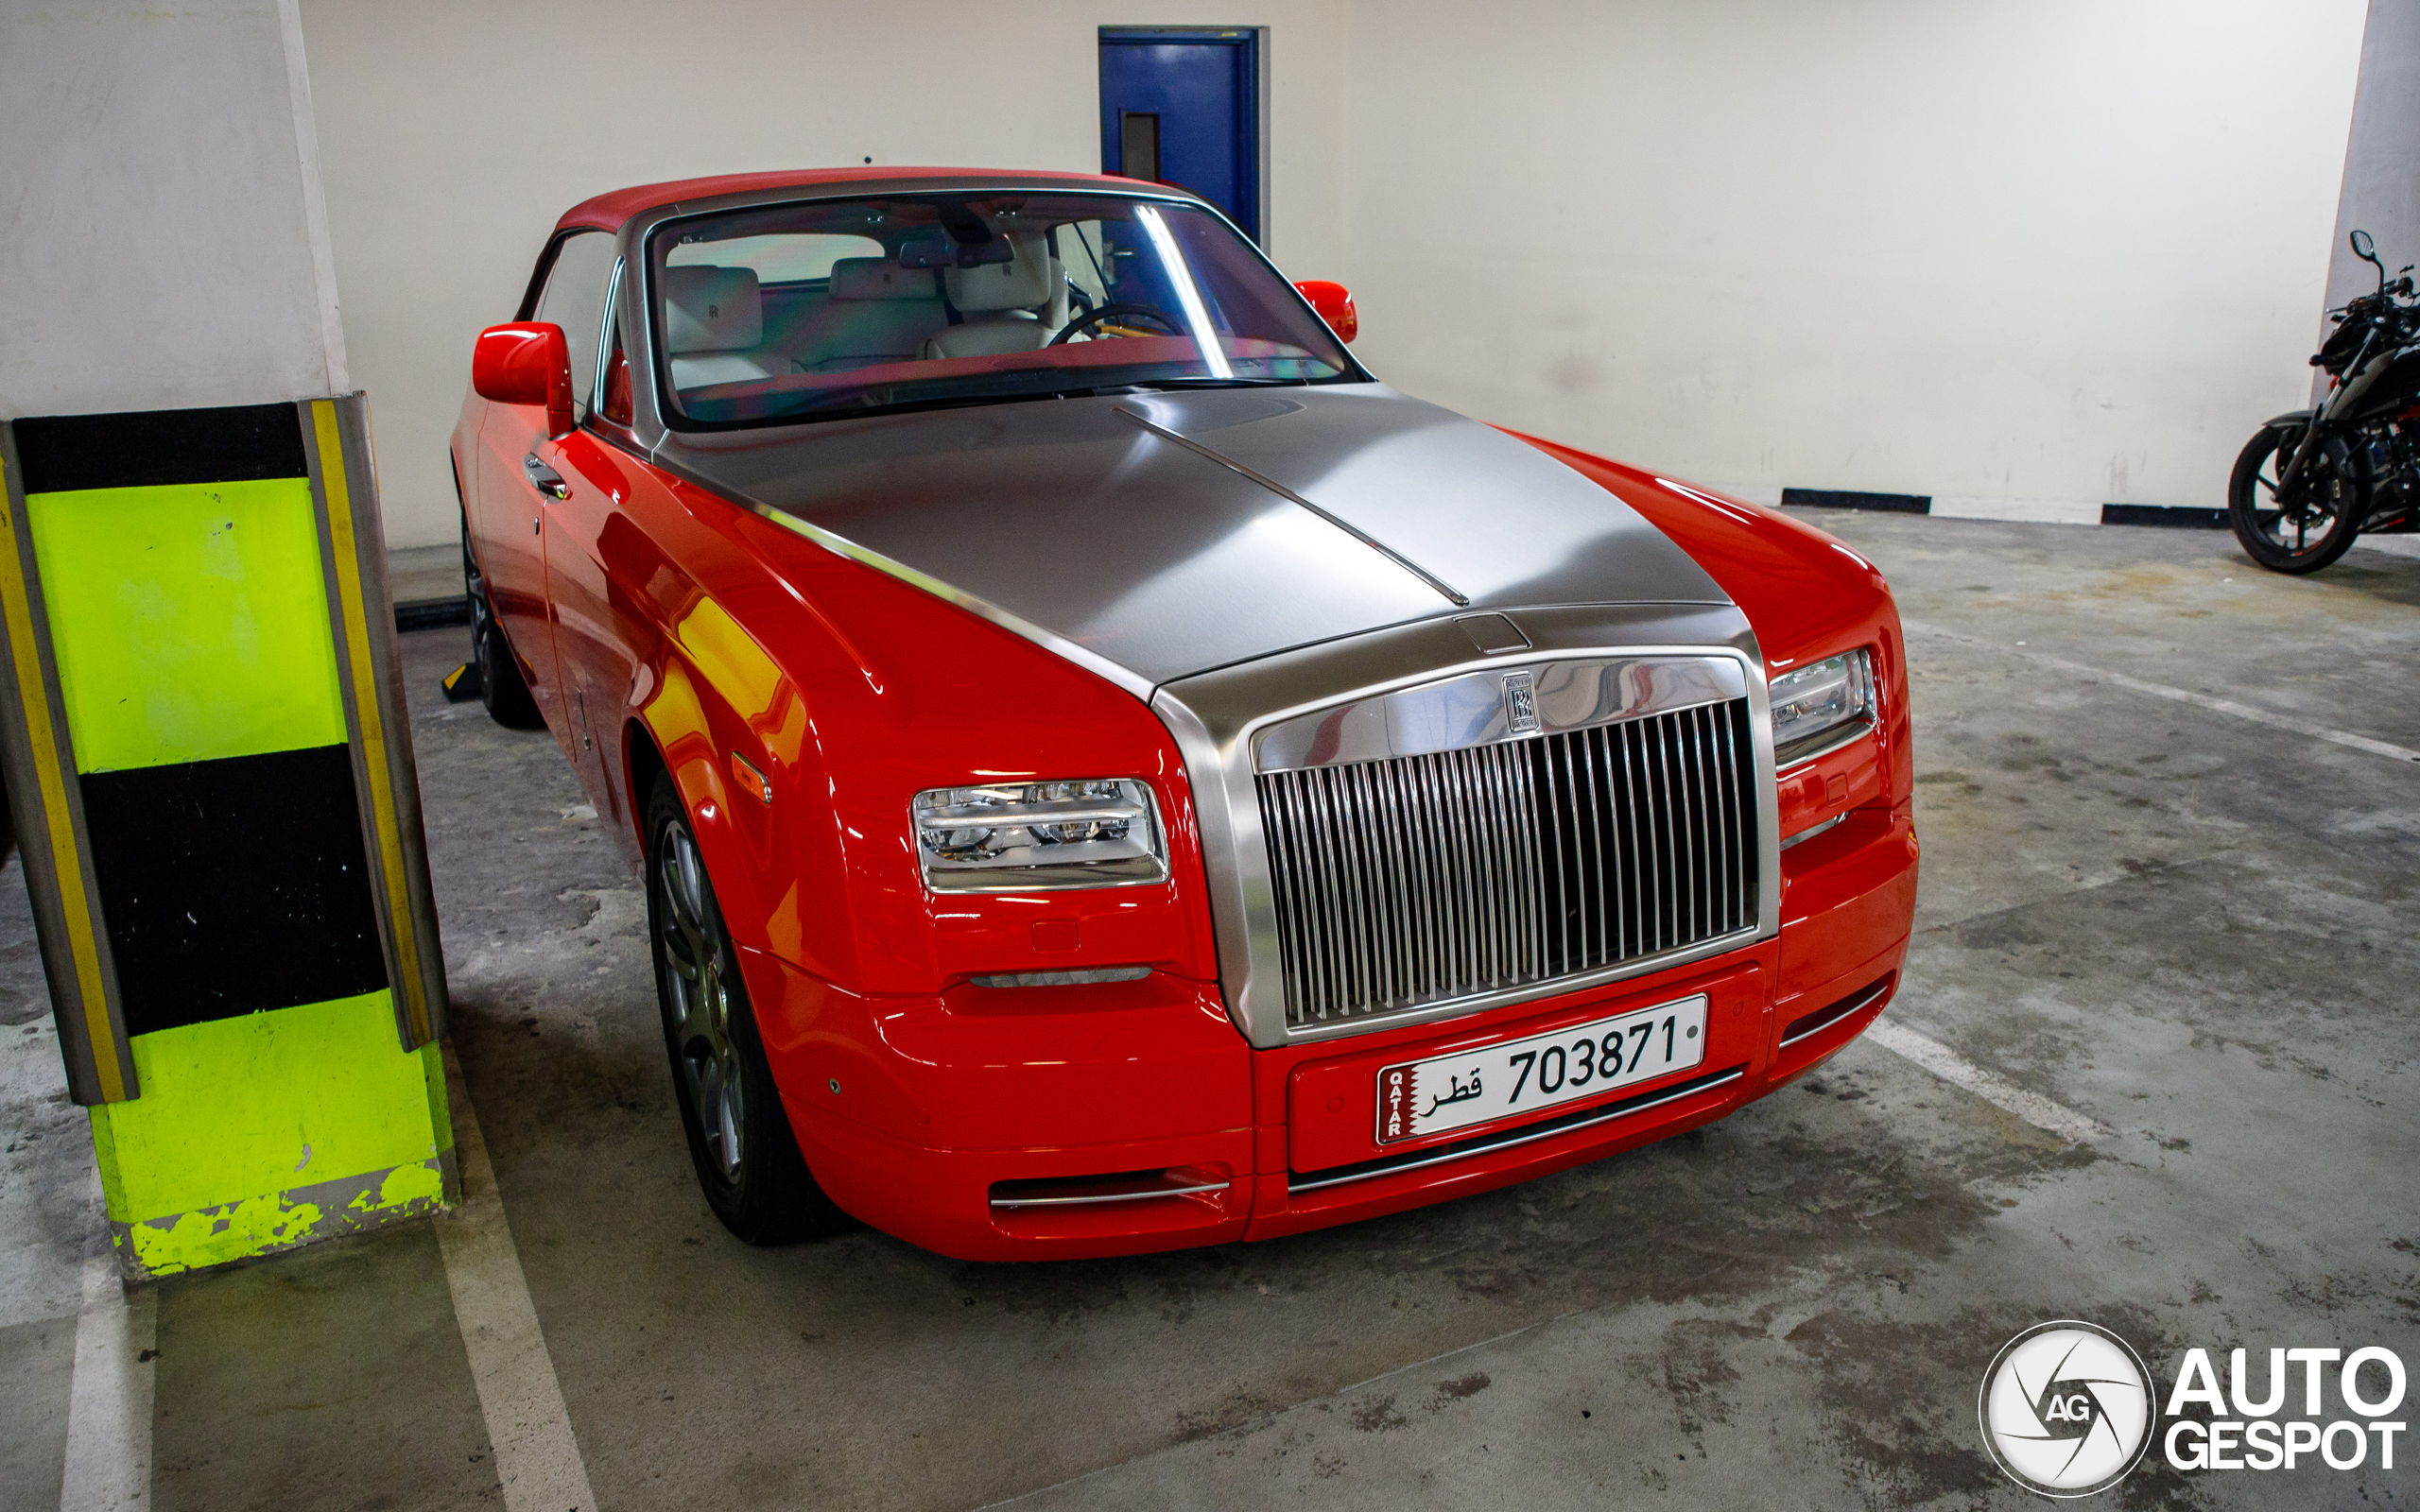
232,886
156,448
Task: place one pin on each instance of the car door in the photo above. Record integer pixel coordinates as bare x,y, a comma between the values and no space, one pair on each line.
594,631
511,504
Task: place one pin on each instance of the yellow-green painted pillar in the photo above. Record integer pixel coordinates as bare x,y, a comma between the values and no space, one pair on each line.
211,781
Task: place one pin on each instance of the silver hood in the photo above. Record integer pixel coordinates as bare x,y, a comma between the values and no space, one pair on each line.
1153,537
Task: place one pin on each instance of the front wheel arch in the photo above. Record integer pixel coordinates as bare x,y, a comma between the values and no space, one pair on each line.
741,1140
642,763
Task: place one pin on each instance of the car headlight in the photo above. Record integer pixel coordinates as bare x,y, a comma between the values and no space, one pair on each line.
1016,837
1821,705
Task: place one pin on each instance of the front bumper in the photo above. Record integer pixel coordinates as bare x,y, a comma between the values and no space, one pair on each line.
1061,1122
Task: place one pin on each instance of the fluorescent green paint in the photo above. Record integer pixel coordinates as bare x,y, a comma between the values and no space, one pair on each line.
404,1186
281,1220
189,622
191,1240
236,1111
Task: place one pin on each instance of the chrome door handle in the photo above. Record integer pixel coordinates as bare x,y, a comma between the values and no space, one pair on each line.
544,478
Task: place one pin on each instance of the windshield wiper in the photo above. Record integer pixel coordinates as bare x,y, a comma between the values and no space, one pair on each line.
854,407
1205,380
898,406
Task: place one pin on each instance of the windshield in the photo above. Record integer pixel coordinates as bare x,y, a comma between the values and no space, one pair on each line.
847,307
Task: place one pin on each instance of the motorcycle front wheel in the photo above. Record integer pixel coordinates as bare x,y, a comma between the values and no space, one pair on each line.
2311,525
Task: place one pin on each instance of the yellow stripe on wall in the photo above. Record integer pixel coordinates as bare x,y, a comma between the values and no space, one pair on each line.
368,705
74,901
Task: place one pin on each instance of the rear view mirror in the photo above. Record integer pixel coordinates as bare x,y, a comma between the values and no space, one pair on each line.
1334,303
525,363
935,251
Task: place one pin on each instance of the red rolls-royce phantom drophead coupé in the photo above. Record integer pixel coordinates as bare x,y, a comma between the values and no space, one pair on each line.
1108,773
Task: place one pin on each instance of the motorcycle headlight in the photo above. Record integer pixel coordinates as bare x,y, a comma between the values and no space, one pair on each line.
1017,837
1821,705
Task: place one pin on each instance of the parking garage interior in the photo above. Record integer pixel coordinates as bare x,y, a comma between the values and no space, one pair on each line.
1988,295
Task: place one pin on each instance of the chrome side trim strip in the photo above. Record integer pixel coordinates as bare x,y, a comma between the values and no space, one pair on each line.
1291,497
1090,660
1529,1133
1005,1203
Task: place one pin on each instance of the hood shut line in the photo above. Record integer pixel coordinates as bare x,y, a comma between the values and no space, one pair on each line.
1452,594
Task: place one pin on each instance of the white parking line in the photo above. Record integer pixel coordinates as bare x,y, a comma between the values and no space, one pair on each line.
1958,1070
2160,689
536,1456
108,1396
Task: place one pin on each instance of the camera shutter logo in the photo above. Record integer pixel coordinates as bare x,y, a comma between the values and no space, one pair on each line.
2067,1409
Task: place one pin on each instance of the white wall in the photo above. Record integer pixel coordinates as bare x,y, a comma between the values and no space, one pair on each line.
455,132
2060,248
2382,161
164,243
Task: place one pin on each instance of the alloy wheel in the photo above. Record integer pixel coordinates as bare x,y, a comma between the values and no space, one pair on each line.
696,1001
2301,517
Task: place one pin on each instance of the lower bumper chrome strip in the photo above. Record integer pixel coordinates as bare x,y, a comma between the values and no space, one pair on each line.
1437,1155
1130,1195
1818,1021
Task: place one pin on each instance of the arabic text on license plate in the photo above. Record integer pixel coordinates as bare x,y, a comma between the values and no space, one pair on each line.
1496,1081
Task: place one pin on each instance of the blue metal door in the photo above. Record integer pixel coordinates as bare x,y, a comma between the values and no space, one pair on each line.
1184,108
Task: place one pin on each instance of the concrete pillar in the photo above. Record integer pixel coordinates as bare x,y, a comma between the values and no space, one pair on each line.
208,765
2382,191
168,241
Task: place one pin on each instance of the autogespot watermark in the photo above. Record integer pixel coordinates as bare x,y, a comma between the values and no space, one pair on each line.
2069,1409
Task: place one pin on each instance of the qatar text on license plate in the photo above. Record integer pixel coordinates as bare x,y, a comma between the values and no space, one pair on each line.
1543,1071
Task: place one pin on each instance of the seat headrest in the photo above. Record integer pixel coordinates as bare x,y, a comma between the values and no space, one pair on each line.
712,309
1020,284
879,278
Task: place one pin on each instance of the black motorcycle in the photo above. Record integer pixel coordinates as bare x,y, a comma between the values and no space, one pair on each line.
2311,480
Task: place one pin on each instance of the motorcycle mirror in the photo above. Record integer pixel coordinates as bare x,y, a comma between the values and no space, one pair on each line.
2367,251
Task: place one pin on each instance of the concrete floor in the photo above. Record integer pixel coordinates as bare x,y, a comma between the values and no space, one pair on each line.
2196,928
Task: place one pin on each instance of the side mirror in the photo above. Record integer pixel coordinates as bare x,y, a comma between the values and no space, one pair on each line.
1334,303
2367,251
525,363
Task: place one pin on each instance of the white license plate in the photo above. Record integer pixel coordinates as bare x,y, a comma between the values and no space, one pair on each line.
1497,1081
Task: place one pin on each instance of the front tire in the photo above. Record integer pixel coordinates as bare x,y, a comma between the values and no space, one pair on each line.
2305,528
741,1139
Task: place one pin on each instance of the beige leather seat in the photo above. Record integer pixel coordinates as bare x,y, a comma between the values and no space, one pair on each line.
875,311
1013,306
714,326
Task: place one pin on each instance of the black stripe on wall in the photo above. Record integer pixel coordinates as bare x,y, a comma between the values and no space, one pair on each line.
158,448
2185,515
1843,499
232,886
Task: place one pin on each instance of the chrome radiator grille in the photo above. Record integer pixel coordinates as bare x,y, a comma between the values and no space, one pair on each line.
1421,879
